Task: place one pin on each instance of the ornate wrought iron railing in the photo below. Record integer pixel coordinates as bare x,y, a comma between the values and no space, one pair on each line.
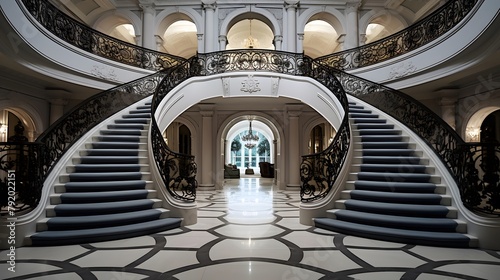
253,60
443,139
318,172
178,171
478,171
20,176
422,32
95,42
63,133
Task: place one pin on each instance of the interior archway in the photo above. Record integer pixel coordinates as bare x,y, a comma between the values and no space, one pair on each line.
250,34
320,38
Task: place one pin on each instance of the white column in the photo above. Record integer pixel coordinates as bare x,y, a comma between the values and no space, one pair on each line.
352,34
207,147
291,25
293,157
159,43
148,22
278,41
209,6
222,42
201,46
300,42
56,109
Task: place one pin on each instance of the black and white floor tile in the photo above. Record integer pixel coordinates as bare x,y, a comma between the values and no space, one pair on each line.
248,230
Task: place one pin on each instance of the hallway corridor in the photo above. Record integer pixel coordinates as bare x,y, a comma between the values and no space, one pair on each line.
248,230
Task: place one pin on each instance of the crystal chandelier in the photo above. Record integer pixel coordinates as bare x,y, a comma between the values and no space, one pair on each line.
250,42
250,139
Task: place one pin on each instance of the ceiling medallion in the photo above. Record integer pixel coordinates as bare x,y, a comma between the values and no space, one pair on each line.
250,85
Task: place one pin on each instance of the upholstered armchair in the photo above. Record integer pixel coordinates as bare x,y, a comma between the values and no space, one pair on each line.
231,172
266,169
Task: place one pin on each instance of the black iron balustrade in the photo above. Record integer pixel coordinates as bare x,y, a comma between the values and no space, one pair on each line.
178,171
443,139
253,60
318,172
95,42
20,176
479,175
63,133
417,35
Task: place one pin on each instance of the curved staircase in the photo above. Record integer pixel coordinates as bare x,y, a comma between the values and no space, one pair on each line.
106,194
394,195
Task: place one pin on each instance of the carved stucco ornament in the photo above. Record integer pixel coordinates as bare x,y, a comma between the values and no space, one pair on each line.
250,85
401,70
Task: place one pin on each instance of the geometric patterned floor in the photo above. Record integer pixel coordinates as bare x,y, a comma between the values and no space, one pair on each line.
249,231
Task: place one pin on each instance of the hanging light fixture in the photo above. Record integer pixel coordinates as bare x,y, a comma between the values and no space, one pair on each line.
250,42
250,139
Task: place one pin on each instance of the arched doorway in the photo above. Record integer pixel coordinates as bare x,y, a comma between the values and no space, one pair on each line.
248,153
490,128
250,34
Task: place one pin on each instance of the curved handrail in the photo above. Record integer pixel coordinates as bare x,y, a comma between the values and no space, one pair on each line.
178,171
95,42
417,35
63,133
318,172
456,155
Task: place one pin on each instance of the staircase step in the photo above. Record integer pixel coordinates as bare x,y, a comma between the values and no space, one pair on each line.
65,210
359,110
98,221
133,120
118,138
372,120
67,237
355,106
391,221
109,196
395,177
363,126
105,168
115,145
103,186
141,111
363,116
107,160
127,132
388,152
109,152
397,209
391,159
395,168
126,126
381,132
137,116
427,238
100,176
404,187
394,197
385,145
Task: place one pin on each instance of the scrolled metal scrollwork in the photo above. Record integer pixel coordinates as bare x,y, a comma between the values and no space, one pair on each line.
20,176
95,42
318,172
422,32
178,171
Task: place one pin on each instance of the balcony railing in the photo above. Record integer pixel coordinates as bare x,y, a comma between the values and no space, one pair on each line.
95,42
415,36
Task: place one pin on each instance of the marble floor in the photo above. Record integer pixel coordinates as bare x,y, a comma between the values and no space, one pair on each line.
248,230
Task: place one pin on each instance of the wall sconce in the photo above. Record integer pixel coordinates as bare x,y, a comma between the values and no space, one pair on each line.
3,128
473,134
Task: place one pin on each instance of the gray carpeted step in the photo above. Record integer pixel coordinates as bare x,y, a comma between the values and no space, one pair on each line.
108,176
118,138
397,209
427,238
105,196
404,187
133,120
401,222
105,220
79,209
391,159
85,168
396,197
111,152
104,186
109,159
388,152
115,145
394,177
121,132
394,168
67,237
